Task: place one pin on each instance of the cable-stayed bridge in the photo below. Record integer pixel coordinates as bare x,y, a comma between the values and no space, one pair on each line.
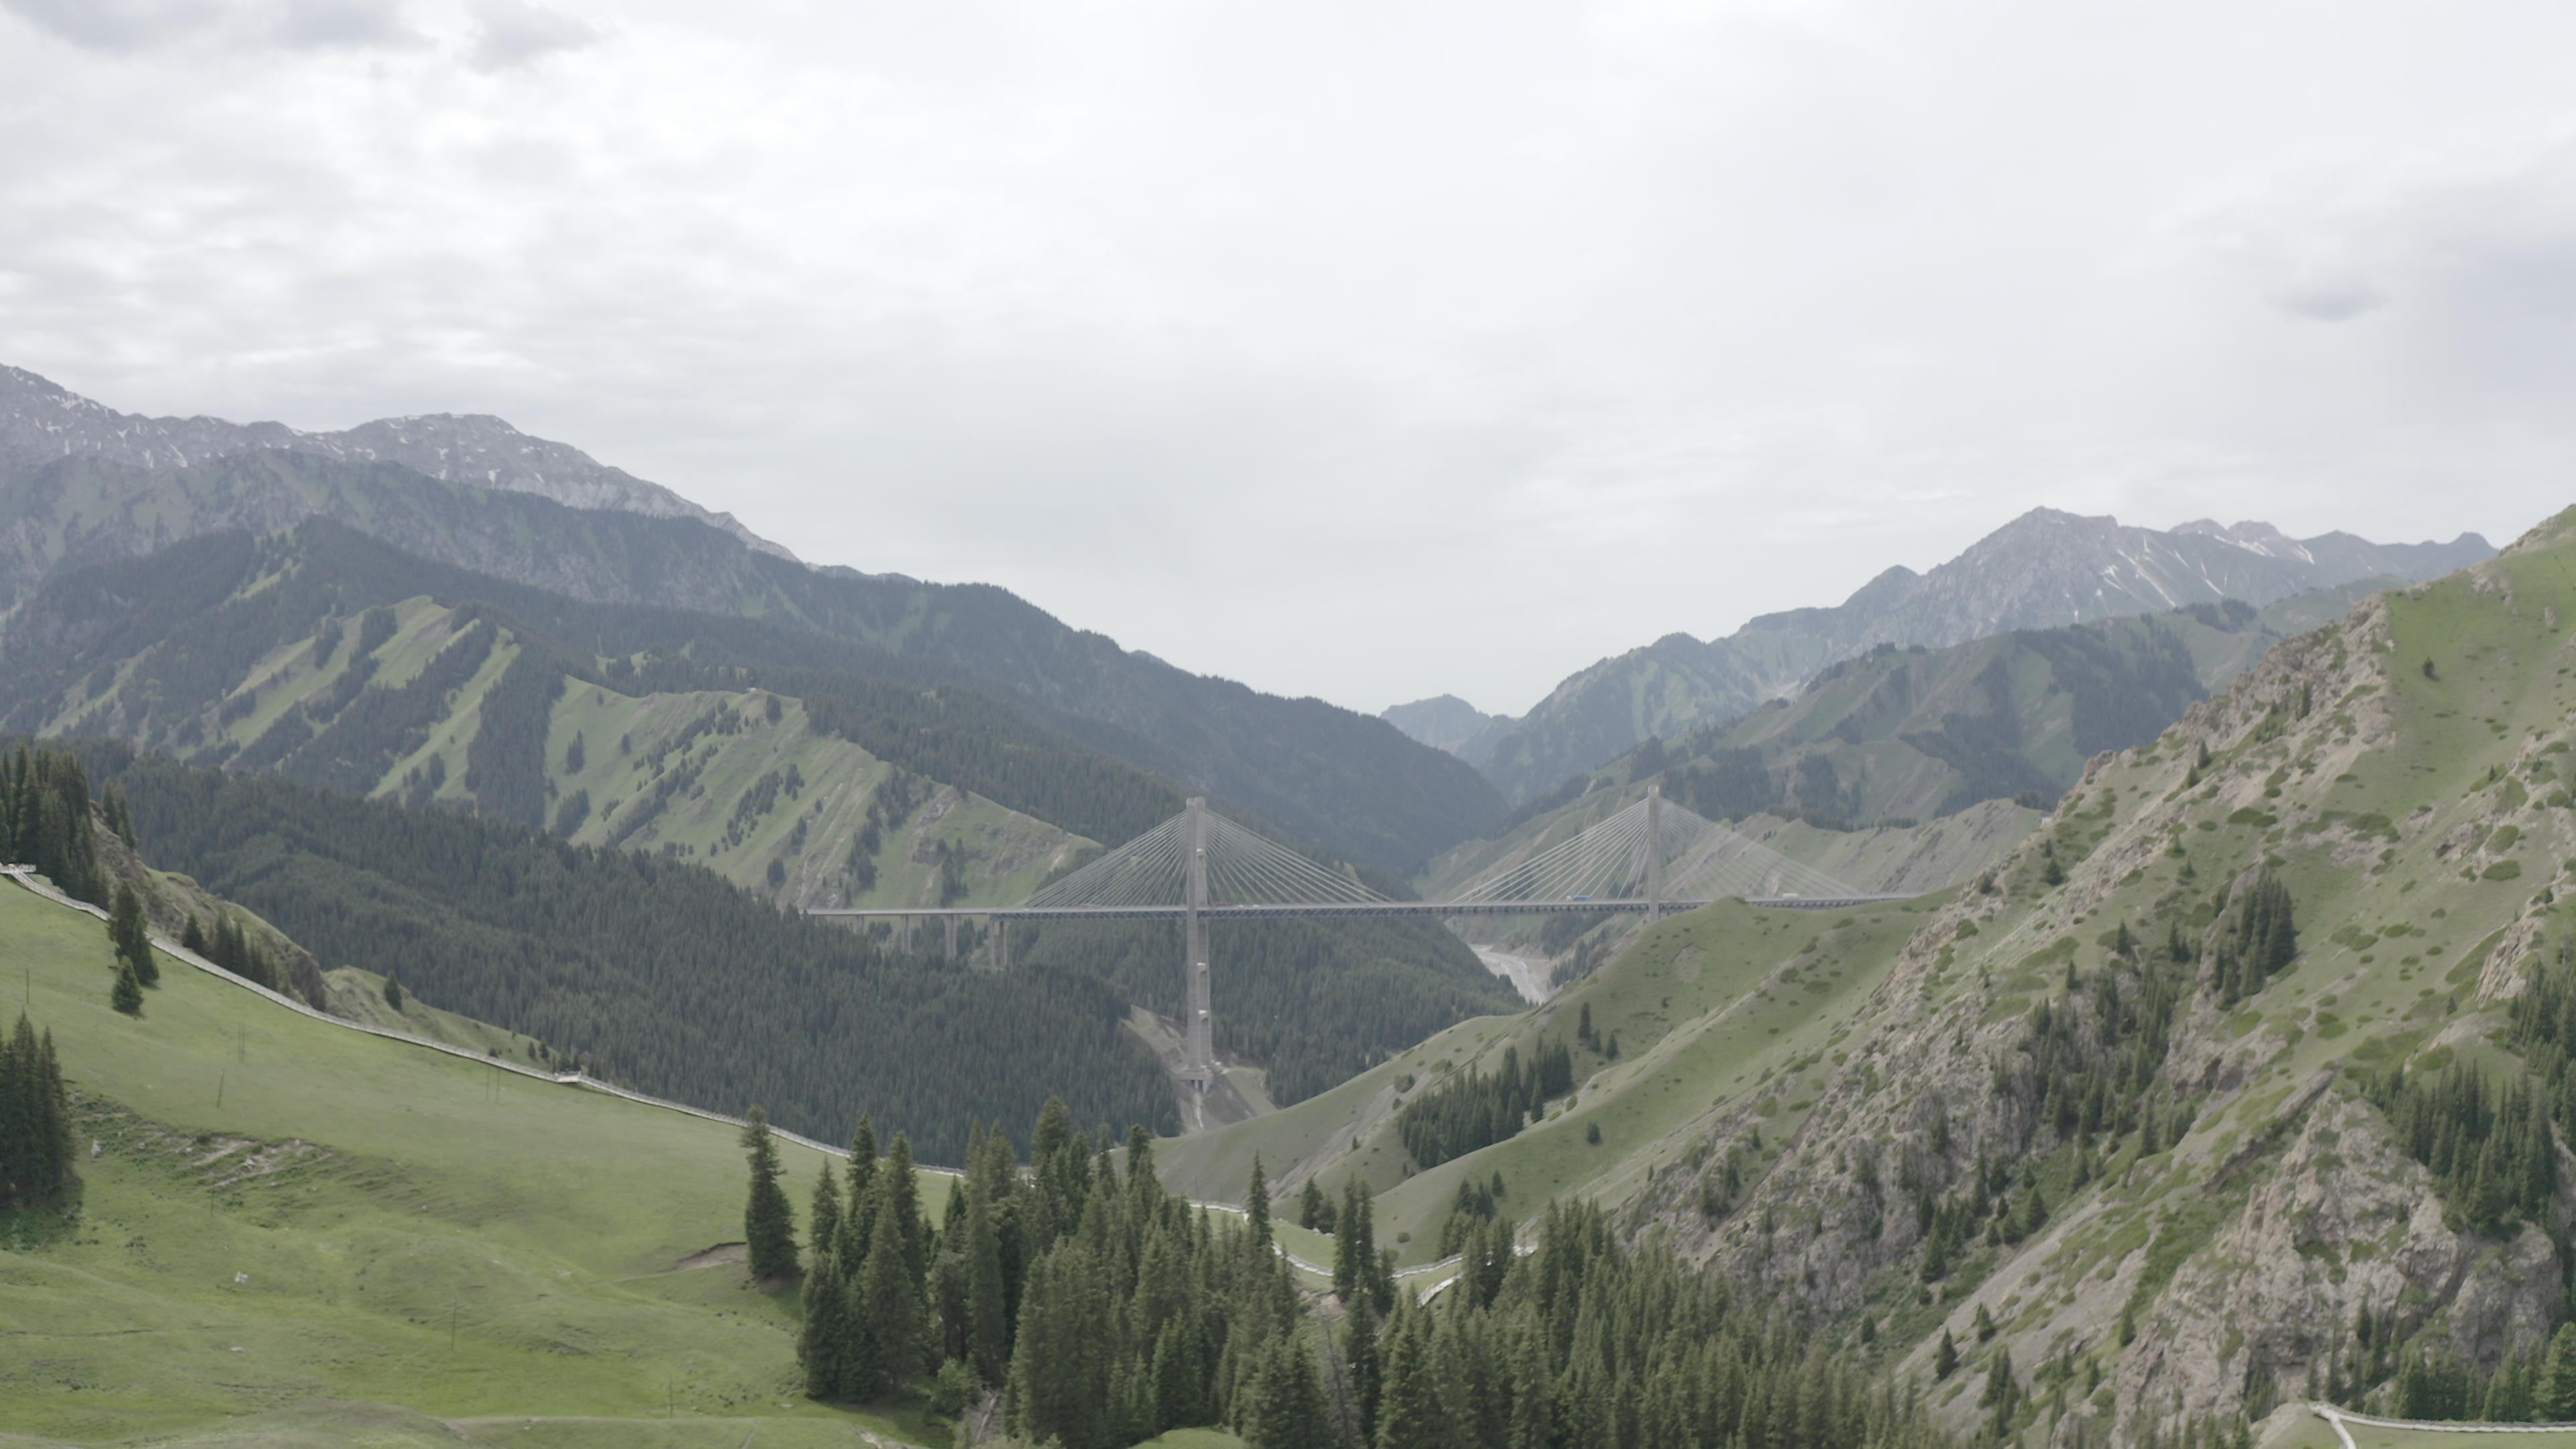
1199,867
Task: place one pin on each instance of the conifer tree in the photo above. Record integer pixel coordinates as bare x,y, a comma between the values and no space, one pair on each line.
823,1342
2558,1377
823,1221
768,1223
1360,1348
1179,1400
1410,1415
131,937
35,1123
127,995
1945,1360
1256,1203
886,1314
1288,1406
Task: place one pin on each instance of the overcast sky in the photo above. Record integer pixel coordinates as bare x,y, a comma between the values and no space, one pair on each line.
1368,351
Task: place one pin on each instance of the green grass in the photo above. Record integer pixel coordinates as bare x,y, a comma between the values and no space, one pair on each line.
1194,1439
424,1231
1710,1008
1007,854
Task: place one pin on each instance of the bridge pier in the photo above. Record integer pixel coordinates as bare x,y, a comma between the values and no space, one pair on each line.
950,953
1654,854
1198,1053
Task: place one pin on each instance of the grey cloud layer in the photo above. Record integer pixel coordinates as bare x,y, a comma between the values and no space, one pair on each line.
1371,351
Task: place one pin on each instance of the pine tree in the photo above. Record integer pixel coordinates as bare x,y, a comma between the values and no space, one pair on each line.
768,1223
823,1220
1360,1348
886,1313
1287,1404
1256,1203
127,995
35,1123
1410,1415
2558,1377
131,937
393,985
1945,1361
823,1342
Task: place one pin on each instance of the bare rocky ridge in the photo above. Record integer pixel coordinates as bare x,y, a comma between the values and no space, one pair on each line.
2221,1272
2043,570
41,421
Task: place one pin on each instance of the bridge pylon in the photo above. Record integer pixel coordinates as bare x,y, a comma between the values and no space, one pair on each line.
1198,1060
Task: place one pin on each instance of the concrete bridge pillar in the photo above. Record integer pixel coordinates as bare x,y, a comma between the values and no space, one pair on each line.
1198,1062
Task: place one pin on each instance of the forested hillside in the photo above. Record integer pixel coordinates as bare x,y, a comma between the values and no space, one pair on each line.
2267,1030
654,972
1352,784
1313,1002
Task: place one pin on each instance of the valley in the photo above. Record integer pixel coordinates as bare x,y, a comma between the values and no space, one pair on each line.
2193,959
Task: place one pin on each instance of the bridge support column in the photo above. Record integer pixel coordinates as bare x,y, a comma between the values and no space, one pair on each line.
1198,1059
1654,853
950,953
1002,945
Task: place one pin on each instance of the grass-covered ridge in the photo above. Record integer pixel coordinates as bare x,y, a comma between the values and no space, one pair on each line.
283,1210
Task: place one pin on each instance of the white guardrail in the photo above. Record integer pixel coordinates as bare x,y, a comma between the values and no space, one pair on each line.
2340,1417
25,875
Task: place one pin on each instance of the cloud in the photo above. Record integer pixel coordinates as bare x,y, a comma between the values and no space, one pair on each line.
345,25
1338,347
2329,301
514,33
118,25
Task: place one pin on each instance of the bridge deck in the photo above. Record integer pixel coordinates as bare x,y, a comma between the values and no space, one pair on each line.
1438,910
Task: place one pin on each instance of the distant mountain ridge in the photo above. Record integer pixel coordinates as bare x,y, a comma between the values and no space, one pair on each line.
1444,721
81,486
41,421
2043,570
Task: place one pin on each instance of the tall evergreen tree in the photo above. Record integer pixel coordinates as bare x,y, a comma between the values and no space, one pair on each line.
127,995
1367,1371
1256,1203
768,1223
35,1123
1410,1414
131,937
1288,1406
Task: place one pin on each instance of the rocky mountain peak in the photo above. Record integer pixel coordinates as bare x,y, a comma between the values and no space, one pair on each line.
40,421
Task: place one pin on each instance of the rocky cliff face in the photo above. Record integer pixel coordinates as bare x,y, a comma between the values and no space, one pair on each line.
41,421
2042,570
2205,1245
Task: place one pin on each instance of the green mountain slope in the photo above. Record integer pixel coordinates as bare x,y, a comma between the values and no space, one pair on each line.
1354,784
281,1210
2109,1104
1901,735
650,970
406,699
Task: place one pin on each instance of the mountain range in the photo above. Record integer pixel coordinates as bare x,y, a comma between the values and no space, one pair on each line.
2042,570
41,421
84,487
2238,1084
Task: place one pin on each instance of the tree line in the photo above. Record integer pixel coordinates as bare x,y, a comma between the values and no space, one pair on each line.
36,1172
1315,1002
1102,1312
1472,1110
653,972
